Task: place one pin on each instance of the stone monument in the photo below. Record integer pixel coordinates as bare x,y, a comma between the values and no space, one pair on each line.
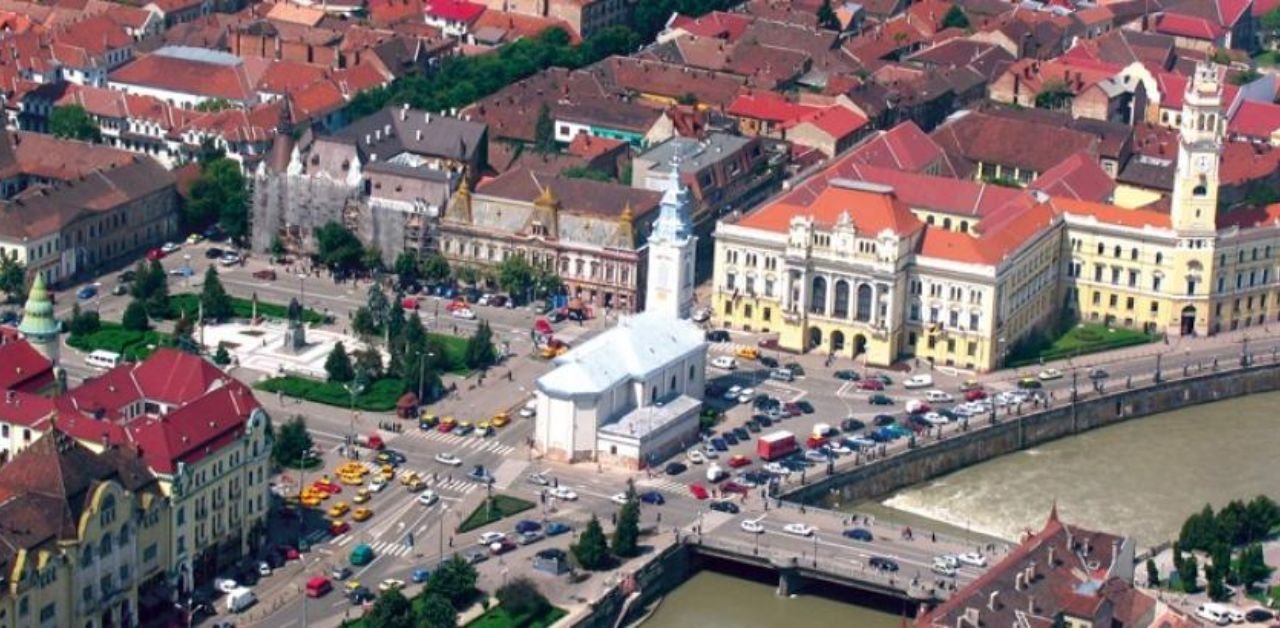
295,336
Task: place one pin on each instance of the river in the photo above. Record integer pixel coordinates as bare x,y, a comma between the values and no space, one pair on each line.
1141,478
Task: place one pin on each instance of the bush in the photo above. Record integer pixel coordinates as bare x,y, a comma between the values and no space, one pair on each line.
135,316
379,396
521,597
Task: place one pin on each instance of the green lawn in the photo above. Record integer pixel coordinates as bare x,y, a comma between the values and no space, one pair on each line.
1268,58
1078,340
503,506
243,308
381,396
133,345
498,617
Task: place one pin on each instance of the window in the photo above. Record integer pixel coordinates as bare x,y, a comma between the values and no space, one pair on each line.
149,554
766,314
1155,283
1101,248
972,349
954,319
1113,300
47,613
1097,298
1128,303
1155,307
1097,272
973,321
1133,254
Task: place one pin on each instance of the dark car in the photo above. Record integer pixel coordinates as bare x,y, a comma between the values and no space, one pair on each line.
792,409
717,335
883,379
796,464
884,564
757,476
475,555
883,420
126,276
753,426
1258,615
805,406
918,419
880,400
734,487
729,437
719,445
795,369
652,497
848,376
763,420
527,525
851,425
859,534
501,547
742,433
675,468
360,595
764,402
728,507
768,362
1098,373
212,253
556,528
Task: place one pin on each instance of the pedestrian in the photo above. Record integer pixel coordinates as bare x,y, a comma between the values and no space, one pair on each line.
934,536
450,541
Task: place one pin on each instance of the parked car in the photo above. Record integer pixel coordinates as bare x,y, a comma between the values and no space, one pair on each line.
724,506
717,335
653,498
699,491
848,376
230,258
87,292
675,468
883,564
799,529
265,274
851,425
556,528
724,362
918,381
972,559
880,400
213,253
870,384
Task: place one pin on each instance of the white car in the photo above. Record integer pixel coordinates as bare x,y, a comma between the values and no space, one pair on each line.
563,493
464,313
724,362
933,418
529,409
540,478
972,559
746,395
428,497
918,381
377,484
751,526
619,498
696,457
799,529
230,259
449,459
391,584
169,247
938,396
943,569
732,393
839,449
777,468
1049,374
710,453
489,538
264,568
225,585
947,559
701,315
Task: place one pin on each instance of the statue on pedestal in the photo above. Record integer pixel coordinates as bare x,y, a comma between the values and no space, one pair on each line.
295,336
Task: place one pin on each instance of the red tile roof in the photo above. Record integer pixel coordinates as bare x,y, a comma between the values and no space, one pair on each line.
23,368
1188,26
727,26
1108,213
904,147
871,211
1078,177
588,146
455,10
1255,120
188,77
769,106
836,121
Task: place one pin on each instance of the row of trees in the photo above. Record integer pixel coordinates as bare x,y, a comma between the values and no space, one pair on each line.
595,552
450,588
1237,524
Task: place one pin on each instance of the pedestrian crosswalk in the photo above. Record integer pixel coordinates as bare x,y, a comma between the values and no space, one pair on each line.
664,485
435,480
472,443
390,548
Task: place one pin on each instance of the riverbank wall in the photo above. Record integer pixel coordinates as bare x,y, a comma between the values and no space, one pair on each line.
1012,433
628,598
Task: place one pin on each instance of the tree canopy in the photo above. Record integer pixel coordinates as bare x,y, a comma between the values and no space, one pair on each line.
214,298
391,610
455,580
522,598
406,267
480,352
73,122
827,16
135,316
626,536
13,278
435,611
436,268
339,248
955,18
219,195
292,442
592,549
338,364
544,131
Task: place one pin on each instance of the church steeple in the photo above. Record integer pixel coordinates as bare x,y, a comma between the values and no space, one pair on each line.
38,323
672,246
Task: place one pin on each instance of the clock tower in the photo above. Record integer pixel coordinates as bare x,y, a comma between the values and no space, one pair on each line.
1195,184
672,247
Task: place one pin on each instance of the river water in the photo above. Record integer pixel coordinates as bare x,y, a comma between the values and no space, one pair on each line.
1140,478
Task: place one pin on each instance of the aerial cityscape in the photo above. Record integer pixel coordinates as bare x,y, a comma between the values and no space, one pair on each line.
661,313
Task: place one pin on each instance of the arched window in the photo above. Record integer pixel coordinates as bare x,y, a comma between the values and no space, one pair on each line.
841,309
1200,190
673,382
946,223
818,296
653,395
964,226
693,373
863,312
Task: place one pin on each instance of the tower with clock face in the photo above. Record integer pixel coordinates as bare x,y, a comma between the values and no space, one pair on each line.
1195,184
672,247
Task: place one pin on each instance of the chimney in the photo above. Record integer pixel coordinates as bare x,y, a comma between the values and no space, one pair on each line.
1019,581
1052,550
1031,573
1031,605
418,135
992,600
971,616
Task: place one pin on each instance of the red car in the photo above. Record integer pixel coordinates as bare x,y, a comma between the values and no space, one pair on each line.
446,426
768,343
975,395
699,491
339,527
870,384
266,273
792,409
501,547
289,552
456,304
409,303
332,488
814,442
543,327
739,460
155,255
734,487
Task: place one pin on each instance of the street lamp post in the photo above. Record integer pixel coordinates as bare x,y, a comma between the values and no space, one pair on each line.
815,548
1244,352
422,366
1157,375
355,388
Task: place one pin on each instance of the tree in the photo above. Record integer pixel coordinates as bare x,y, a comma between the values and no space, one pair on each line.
1251,566
1270,23
436,612
221,357
219,195
73,122
1188,572
338,364
277,247
955,18
13,277
214,298
368,361
135,316
1198,531
406,268
372,258
151,286
515,276
592,550
1153,573
214,105
1054,94
626,536
480,353
544,131
466,275
391,610
292,442
1217,588
435,268
339,248
378,305
827,17
455,580
521,598
362,322
83,322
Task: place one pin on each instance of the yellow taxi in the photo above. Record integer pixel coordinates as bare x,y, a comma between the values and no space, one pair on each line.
748,353
311,502
352,585
500,419
352,479
409,478
362,496
361,514
338,509
387,471
352,467
417,485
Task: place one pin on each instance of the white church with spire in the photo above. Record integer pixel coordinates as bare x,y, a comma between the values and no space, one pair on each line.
631,396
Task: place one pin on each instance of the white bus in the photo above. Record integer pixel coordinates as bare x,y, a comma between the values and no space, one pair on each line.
103,359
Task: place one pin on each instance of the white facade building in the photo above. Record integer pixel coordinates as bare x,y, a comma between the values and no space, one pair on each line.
672,247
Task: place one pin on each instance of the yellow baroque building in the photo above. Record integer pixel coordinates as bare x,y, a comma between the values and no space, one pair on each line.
864,262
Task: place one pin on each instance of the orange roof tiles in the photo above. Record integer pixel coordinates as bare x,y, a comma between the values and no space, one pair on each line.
870,211
1112,214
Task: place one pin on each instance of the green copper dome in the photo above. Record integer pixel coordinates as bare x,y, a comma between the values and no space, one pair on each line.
38,322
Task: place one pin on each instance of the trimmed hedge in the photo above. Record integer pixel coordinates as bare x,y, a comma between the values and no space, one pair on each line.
503,506
133,345
380,396
241,308
1080,340
498,617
